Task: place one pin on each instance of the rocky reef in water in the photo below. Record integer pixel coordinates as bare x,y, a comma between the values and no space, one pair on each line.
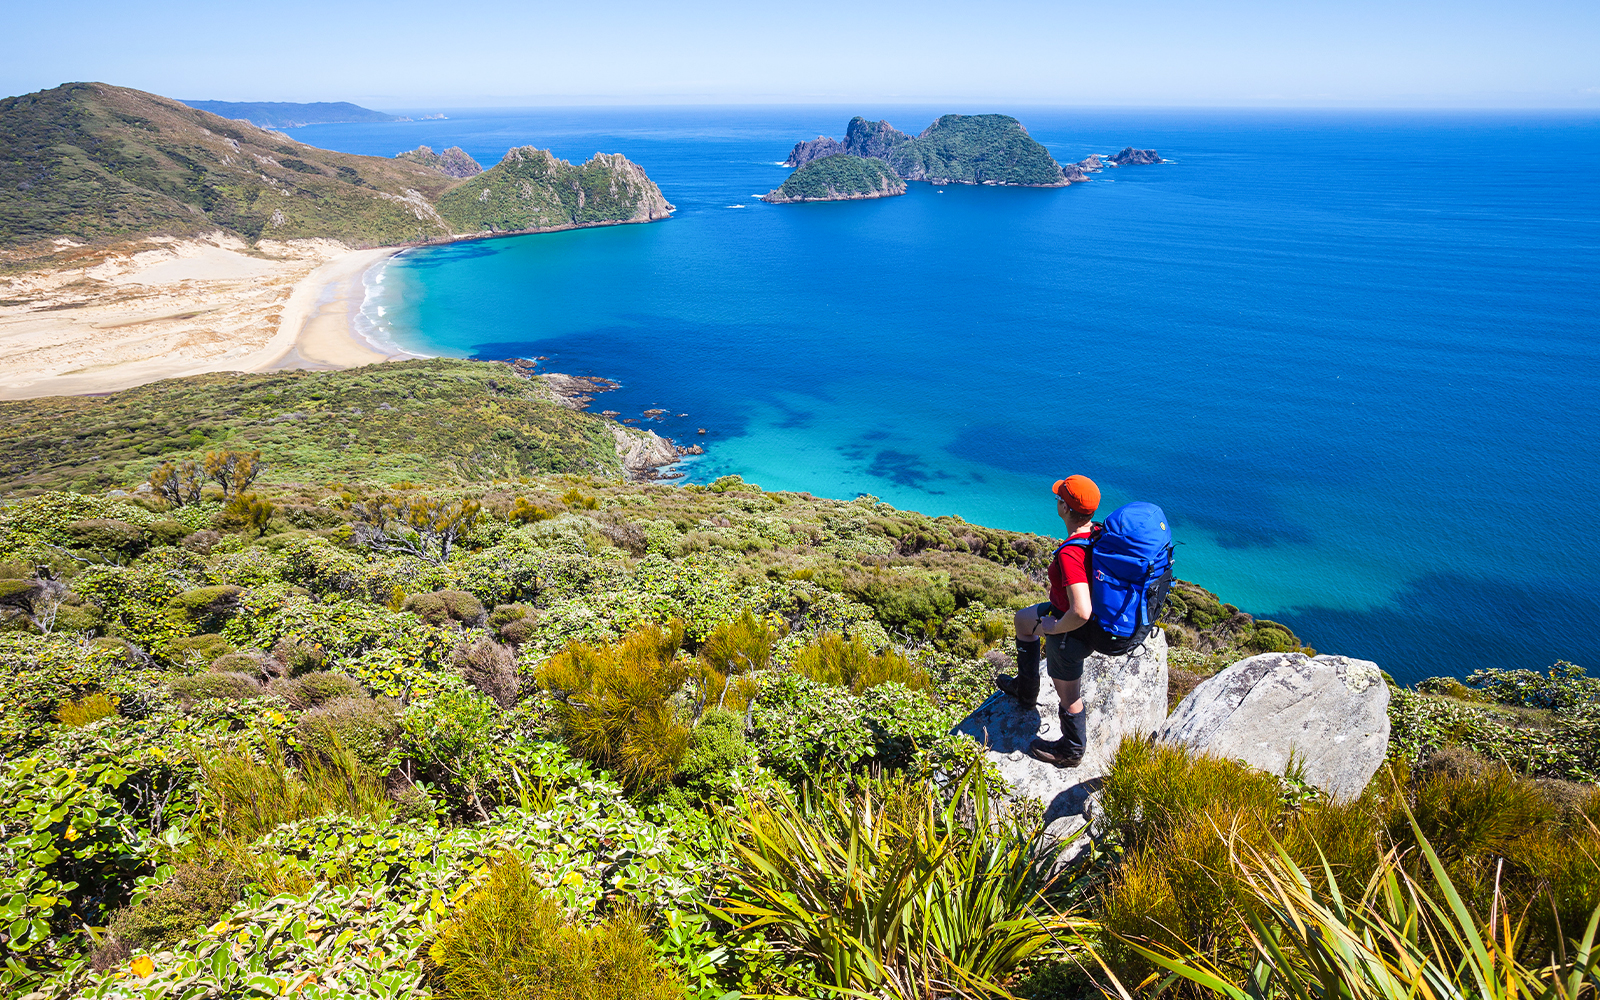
838,178
1130,157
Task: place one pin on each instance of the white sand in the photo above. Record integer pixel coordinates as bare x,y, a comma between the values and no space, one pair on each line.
165,308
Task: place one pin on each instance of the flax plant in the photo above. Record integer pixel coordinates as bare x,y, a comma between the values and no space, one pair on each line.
1404,938
895,888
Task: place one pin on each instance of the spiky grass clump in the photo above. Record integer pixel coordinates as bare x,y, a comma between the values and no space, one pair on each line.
834,659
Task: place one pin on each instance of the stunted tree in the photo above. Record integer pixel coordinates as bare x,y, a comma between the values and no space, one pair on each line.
179,482
234,471
251,511
427,529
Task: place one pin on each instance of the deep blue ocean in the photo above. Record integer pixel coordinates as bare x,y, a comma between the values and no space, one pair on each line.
1354,356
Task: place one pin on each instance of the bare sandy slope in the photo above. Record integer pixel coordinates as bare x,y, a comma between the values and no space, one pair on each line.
165,308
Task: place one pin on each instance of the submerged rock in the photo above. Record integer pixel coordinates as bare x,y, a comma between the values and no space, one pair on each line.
1122,695
1329,713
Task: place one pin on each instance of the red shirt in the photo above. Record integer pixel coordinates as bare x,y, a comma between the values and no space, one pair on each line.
1066,569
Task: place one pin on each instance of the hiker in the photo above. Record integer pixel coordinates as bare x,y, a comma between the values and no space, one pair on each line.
1061,621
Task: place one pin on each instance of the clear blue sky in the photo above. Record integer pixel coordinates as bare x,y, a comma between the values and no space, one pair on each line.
405,54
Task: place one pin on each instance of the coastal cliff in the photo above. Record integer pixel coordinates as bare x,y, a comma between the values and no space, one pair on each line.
838,178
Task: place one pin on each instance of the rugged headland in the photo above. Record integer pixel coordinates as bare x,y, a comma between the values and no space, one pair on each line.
840,177
87,163
958,149
286,114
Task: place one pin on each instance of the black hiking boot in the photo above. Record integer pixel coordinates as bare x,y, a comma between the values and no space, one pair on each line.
1024,685
1056,752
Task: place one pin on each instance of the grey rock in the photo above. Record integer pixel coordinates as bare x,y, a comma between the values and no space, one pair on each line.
1123,696
1331,713
1130,157
1091,164
813,149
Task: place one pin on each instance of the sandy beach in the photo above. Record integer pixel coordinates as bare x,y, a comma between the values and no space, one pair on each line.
165,308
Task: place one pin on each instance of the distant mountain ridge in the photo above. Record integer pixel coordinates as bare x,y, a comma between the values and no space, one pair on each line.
93,163
283,114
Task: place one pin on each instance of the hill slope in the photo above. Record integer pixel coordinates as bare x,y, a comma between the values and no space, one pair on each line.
97,164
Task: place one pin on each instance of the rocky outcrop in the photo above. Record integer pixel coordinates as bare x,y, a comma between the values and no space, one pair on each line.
641,451
1131,157
1123,696
1091,164
453,162
1329,714
873,139
813,149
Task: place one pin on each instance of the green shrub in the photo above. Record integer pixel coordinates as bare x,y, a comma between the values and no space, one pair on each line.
198,649
232,687
1565,686
252,663
166,532
195,897
717,748
77,618
614,704
442,607
297,656
365,727
833,659
803,729
314,689
108,535
207,609
510,941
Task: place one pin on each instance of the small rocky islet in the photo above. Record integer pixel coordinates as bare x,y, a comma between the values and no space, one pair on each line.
955,149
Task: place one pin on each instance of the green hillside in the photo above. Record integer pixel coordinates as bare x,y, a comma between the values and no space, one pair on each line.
435,419
531,189
398,718
975,149
834,178
99,164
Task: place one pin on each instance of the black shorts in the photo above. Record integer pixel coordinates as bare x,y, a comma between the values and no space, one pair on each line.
1064,652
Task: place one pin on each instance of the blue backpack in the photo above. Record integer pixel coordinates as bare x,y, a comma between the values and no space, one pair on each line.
1130,571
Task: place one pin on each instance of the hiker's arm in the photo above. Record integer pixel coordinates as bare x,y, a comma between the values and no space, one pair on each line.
1080,612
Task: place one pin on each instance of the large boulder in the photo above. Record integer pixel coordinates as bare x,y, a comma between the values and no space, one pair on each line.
1329,713
1123,696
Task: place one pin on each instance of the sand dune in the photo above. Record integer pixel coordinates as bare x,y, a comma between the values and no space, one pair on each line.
163,308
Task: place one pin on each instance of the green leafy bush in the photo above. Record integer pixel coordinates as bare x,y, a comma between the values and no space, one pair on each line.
802,728
364,727
509,940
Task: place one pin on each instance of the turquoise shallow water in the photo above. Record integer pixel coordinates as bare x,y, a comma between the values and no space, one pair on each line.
1354,356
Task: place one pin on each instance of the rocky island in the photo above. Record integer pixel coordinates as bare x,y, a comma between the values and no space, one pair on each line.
840,177
957,149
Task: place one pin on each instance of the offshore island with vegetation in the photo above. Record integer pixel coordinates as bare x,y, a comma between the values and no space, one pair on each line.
406,680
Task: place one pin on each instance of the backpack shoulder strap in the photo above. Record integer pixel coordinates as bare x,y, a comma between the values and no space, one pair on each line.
1083,541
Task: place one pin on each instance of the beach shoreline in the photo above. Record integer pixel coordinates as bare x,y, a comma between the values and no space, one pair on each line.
168,308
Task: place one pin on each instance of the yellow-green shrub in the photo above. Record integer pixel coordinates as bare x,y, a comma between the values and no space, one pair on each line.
89,708
834,659
509,941
614,704
251,797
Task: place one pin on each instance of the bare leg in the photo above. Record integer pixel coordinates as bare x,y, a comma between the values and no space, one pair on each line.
1071,694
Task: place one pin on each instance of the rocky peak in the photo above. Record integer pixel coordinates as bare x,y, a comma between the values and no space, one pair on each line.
813,149
1131,157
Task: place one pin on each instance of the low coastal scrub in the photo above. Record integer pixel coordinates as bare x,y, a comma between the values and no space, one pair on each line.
699,739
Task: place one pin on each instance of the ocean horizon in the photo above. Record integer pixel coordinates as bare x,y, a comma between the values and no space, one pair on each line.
1353,355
